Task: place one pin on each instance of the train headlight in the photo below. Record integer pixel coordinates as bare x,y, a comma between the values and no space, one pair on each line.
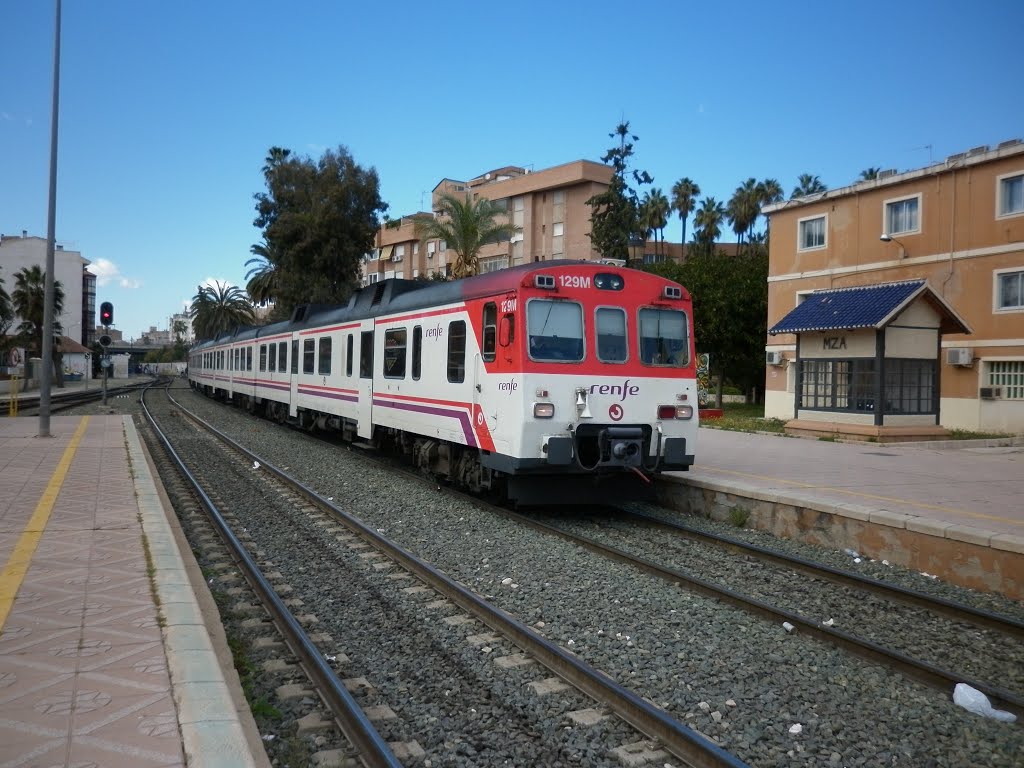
543,410
675,411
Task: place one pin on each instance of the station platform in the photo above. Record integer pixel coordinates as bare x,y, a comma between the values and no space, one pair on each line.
950,509
105,658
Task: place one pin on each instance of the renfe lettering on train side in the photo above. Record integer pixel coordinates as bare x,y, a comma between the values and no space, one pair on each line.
508,386
574,281
625,389
434,333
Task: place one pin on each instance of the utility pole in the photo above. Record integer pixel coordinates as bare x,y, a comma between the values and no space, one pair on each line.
46,353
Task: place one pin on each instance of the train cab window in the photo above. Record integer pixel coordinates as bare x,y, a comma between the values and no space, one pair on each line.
610,323
308,356
417,351
457,351
263,357
348,356
490,347
366,355
664,340
555,330
324,354
272,358
282,356
295,355
394,353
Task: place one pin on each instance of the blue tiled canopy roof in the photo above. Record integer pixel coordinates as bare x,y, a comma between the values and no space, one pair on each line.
868,306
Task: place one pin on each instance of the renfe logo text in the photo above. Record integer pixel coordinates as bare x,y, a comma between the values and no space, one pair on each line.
435,333
625,389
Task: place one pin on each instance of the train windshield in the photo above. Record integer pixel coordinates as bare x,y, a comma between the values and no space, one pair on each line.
663,338
555,330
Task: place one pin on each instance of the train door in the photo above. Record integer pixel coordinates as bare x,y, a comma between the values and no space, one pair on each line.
365,417
293,378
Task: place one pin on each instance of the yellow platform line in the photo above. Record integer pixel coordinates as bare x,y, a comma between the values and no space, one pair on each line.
21,558
873,496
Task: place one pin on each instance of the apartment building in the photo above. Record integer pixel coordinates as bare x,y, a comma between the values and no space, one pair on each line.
549,205
78,318
896,305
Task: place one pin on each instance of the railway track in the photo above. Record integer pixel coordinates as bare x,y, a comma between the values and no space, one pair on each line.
516,647
63,401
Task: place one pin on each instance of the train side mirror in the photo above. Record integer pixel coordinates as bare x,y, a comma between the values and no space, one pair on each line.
506,331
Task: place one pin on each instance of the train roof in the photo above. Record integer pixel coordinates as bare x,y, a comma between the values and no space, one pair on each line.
400,295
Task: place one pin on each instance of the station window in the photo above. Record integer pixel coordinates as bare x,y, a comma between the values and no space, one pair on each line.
324,352
664,338
555,330
812,233
394,353
490,331
903,216
1009,290
308,356
417,351
1008,375
1011,195
366,355
282,356
611,335
457,351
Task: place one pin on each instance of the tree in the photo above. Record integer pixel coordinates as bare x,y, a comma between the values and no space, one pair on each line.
262,276
219,308
743,209
6,315
466,226
615,212
807,185
29,300
654,214
684,196
769,192
708,224
868,174
318,218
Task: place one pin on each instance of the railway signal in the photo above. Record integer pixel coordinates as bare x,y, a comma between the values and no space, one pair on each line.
106,314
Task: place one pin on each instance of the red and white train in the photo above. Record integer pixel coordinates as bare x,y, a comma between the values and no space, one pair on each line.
552,382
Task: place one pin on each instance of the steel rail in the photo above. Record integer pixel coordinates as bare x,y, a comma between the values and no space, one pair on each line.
921,671
948,608
685,743
374,752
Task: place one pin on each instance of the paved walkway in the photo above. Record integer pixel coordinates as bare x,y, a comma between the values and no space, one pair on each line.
960,483
105,659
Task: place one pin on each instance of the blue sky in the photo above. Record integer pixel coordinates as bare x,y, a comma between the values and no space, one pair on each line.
167,109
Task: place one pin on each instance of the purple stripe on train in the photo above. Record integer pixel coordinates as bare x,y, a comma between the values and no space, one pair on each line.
330,395
462,416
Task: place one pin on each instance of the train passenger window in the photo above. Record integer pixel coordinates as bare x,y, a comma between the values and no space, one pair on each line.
366,355
325,356
457,351
348,356
308,356
555,330
282,356
248,358
263,357
394,353
272,358
490,332
610,323
295,355
417,351
664,338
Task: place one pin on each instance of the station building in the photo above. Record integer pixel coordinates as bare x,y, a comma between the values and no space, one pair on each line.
896,305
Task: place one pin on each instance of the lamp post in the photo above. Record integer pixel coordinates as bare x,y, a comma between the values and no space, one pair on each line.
887,238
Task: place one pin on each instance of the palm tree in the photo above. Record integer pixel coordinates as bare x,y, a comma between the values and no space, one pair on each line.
275,157
869,174
262,276
708,222
658,212
684,196
769,192
6,314
29,299
807,185
744,208
219,308
466,226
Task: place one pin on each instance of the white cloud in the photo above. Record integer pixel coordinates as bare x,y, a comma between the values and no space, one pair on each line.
107,272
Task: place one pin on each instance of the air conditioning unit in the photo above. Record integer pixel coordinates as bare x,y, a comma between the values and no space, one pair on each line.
959,356
774,358
991,393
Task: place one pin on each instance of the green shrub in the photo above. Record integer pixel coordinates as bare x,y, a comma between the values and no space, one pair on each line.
738,516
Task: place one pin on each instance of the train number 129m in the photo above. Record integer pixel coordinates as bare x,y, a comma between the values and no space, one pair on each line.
574,281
